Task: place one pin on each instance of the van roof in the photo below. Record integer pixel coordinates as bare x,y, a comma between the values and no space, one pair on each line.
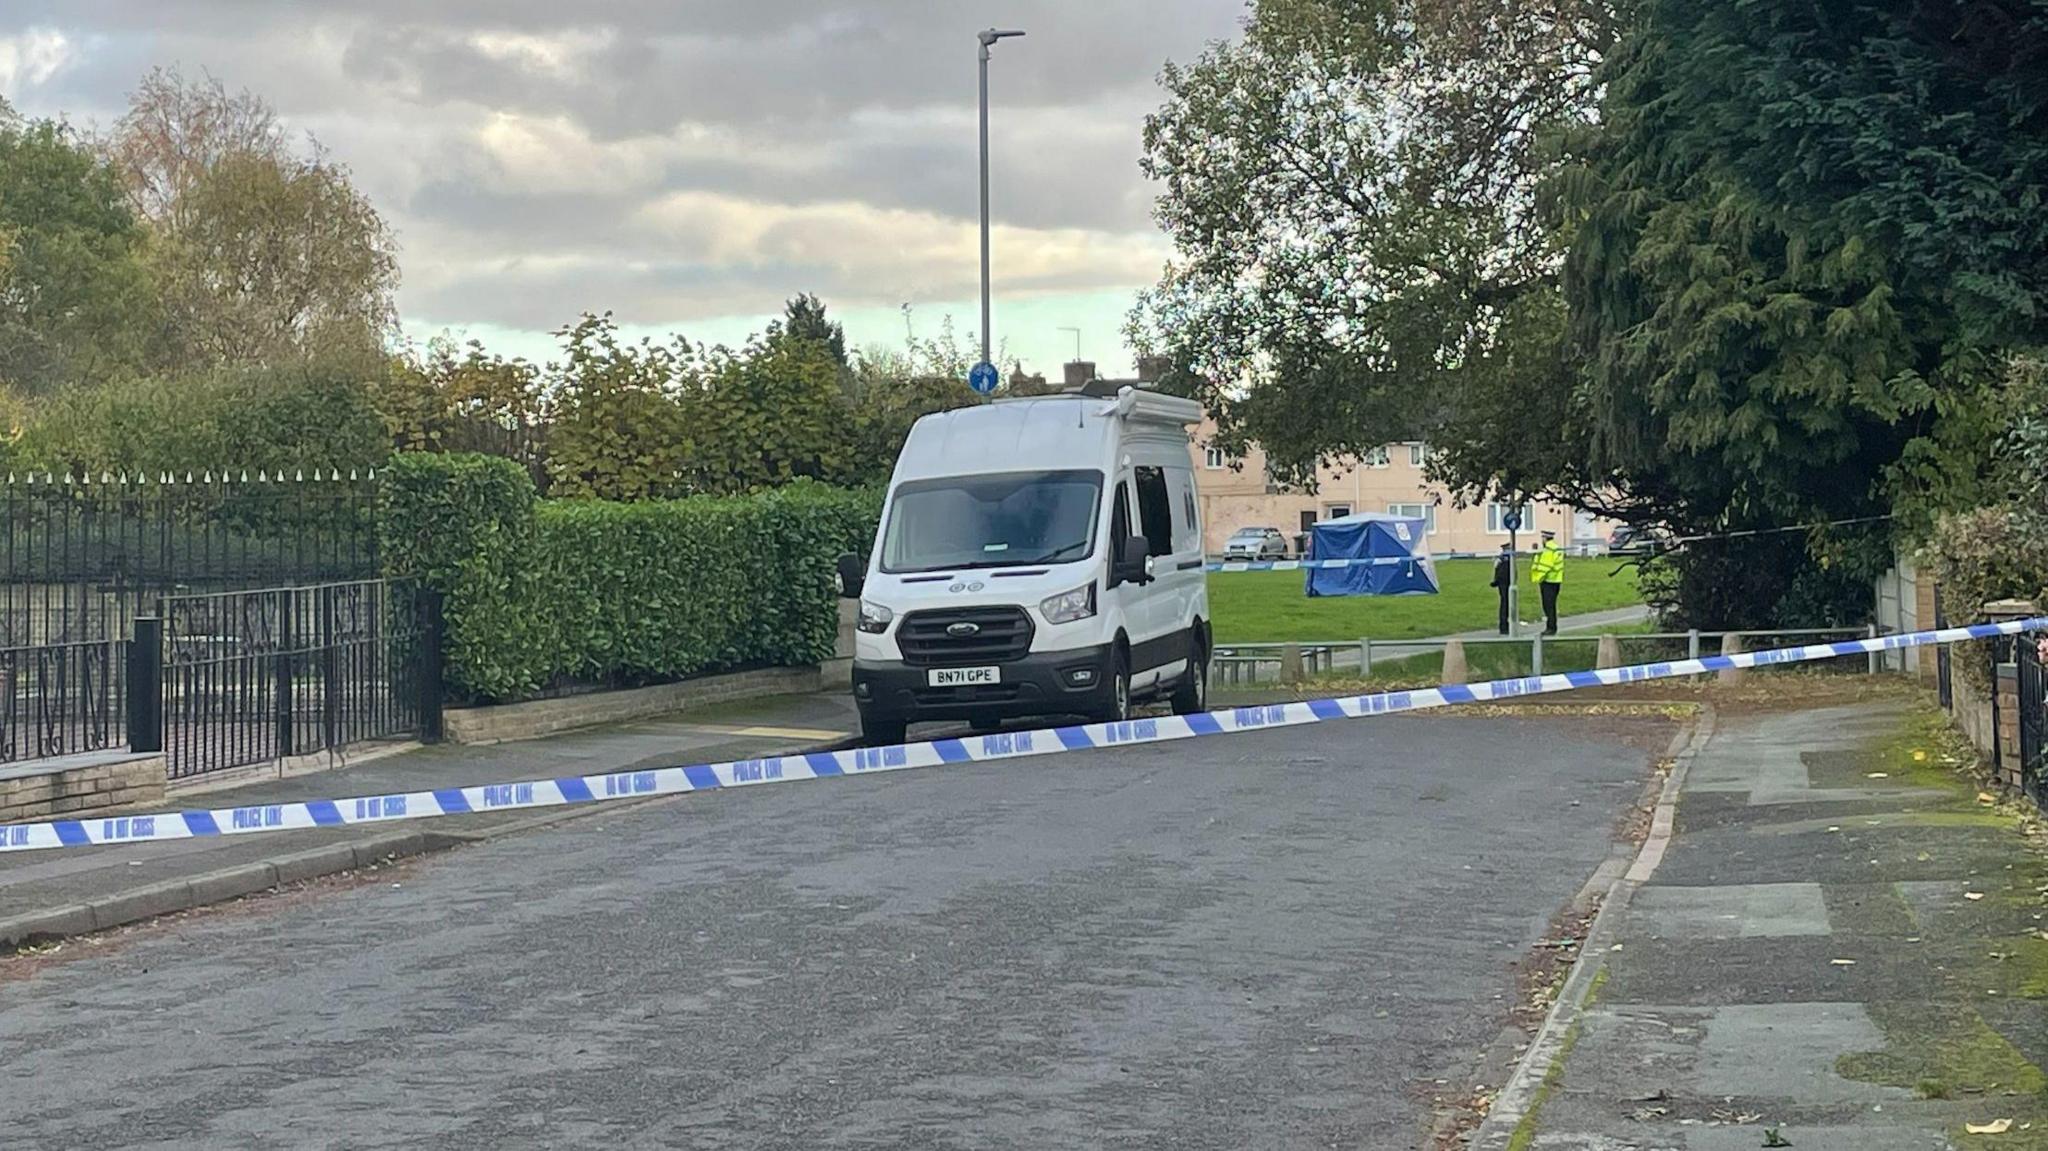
1055,432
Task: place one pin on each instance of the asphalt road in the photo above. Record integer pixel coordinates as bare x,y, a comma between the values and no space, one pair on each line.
1270,940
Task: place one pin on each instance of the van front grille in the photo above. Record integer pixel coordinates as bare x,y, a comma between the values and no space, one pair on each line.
942,638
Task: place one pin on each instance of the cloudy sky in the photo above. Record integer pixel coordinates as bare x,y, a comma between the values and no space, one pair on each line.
690,163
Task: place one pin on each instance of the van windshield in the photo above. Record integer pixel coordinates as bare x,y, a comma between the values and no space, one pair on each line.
1009,519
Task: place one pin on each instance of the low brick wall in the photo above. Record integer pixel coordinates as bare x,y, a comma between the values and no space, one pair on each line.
510,722
59,789
1971,710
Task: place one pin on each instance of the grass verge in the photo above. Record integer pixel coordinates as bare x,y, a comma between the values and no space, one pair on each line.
1272,607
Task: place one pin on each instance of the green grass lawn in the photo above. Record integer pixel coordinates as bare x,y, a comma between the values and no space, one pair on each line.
1270,607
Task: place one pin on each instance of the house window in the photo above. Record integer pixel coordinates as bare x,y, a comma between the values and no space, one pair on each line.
1424,512
1336,511
1377,457
1212,458
1418,455
1496,514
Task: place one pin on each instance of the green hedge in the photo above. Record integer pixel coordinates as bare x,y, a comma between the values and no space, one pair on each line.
600,592
464,525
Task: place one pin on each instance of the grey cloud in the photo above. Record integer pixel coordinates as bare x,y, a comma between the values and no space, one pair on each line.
832,101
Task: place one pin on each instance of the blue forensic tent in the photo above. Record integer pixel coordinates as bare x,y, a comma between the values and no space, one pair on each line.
1382,554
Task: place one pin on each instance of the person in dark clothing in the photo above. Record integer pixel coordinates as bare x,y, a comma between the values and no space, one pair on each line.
1503,579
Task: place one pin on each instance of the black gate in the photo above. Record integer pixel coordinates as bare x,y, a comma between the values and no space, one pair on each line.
62,699
2032,681
258,676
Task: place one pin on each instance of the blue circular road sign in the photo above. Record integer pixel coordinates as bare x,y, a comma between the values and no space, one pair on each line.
1512,521
983,378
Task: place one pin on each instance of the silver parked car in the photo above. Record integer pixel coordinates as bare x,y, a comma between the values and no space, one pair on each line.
1255,544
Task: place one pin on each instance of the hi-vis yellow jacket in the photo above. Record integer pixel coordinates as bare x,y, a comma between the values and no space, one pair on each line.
1548,566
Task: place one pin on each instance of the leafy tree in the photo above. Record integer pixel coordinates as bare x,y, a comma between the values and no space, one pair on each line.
1352,191
803,318
620,430
1801,243
463,398
264,251
771,413
285,418
1710,263
75,300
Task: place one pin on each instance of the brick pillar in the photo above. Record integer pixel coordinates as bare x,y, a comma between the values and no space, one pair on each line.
2007,685
1923,612
2008,733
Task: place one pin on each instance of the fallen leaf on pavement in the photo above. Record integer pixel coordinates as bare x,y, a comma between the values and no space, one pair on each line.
1973,896
1843,962
1995,1127
1986,798
1878,775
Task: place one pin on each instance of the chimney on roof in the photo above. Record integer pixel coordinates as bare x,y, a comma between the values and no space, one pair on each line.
1079,372
1152,369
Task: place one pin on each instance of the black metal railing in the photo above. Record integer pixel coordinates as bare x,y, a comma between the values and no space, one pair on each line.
62,699
2032,681
81,556
1944,662
259,676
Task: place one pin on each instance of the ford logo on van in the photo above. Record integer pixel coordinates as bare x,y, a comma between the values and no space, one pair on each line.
963,629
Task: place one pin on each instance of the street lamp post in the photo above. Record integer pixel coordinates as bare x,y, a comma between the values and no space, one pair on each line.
987,38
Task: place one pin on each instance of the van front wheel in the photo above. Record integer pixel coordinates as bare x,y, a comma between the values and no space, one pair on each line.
1117,708
1193,693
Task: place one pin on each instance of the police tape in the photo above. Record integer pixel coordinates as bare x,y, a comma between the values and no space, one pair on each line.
1306,565
368,809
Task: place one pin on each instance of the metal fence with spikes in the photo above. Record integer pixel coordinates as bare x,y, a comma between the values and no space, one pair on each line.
82,554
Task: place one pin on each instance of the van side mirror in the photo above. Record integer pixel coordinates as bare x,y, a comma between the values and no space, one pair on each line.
853,575
1130,564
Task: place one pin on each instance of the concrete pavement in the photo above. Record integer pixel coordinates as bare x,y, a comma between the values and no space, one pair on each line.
75,890
1275,939
1844,947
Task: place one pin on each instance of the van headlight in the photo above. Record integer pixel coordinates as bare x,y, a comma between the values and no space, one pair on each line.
874,618
1069,606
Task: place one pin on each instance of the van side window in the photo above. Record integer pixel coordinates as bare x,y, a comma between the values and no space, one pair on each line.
1189,535
1120,519
1155,509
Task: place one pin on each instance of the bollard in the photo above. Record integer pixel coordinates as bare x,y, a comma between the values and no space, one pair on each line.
1731,644
1876,660
1610,652
1365,657
1536,655
1290,663
1455,670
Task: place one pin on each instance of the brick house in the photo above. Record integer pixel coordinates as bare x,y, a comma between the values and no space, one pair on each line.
1236,493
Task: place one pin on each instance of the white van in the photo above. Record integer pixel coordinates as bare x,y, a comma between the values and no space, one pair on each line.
1037,556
